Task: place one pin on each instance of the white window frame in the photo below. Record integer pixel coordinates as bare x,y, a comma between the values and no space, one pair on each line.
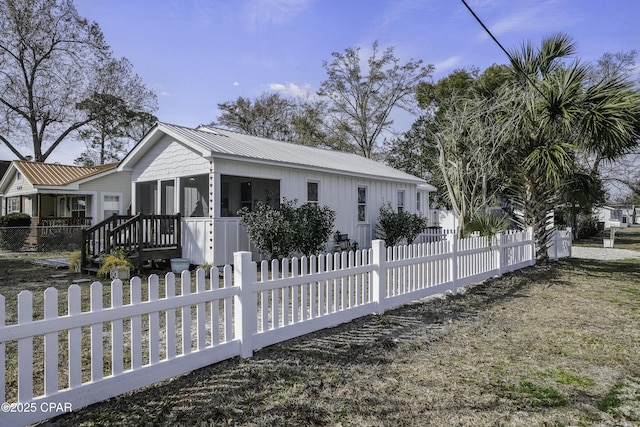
358,203
71,206
317,201
13,205
401,201
104,196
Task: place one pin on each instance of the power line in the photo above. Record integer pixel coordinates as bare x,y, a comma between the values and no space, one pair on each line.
513,63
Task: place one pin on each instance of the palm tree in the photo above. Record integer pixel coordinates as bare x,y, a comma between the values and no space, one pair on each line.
560,112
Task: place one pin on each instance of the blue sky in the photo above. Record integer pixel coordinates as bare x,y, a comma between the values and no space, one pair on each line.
198,53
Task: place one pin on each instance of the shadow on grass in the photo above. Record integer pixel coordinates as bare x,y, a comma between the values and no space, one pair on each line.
258,390
594,267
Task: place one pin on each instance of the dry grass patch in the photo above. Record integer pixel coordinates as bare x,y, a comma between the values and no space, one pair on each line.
551,345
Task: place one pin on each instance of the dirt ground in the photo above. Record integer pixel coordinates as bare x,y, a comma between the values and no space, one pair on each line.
548,345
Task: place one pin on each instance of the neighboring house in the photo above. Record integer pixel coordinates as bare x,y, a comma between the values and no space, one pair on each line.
617,215
54,194
4,165
208,174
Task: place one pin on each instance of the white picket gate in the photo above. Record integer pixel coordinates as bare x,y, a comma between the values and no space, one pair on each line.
143,341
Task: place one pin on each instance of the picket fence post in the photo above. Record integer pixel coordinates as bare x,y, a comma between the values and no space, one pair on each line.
379,282
245,310
533,244
453,265
498,251
25,349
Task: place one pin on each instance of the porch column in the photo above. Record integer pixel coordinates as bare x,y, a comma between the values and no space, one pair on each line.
214,210
134,199
214,195
178,196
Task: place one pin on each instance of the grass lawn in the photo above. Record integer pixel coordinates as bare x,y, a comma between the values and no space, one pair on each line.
625,238
548,345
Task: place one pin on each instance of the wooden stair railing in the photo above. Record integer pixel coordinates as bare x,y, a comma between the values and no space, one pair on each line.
95,238
141,237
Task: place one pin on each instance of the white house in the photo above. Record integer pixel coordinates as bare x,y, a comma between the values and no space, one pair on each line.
617,216
208,174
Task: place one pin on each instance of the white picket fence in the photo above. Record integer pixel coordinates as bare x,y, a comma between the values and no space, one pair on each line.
131,342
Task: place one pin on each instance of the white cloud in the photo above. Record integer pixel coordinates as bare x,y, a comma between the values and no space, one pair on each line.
536,16
447,64
292,89
278,12
236,83
165,93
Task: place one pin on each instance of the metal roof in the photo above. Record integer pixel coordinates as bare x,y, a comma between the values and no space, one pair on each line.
50,174
223,143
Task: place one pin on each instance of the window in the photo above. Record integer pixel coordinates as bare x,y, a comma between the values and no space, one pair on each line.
78,207
195,196
245,195
13,205
237,192
146,193
167,197
362,204
312,192
418,202
400,201
110,205
18,177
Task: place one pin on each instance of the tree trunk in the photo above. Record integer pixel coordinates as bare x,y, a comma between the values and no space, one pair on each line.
536,214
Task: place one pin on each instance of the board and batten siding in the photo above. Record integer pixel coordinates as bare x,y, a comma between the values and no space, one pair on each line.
337,191
169,159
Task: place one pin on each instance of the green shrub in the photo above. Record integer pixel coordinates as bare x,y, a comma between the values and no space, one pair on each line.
15,220
279,232
394,226
14,229
587,227
486,225
314,228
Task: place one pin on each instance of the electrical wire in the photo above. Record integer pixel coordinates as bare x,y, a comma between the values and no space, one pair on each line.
513,62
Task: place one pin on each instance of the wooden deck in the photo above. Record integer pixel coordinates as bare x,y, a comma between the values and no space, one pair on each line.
141,237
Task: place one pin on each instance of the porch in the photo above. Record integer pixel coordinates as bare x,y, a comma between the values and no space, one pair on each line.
141,237
209,205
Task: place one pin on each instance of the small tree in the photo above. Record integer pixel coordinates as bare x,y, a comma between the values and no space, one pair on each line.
270,229
394,226
315,224
279,232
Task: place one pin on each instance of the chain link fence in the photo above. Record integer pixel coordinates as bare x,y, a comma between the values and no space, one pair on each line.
41,239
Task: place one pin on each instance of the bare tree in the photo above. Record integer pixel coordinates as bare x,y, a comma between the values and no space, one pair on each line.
360,101
471,147
121,107
268,116
271,115
50,61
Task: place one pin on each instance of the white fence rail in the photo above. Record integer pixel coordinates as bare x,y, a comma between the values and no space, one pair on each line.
129,341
